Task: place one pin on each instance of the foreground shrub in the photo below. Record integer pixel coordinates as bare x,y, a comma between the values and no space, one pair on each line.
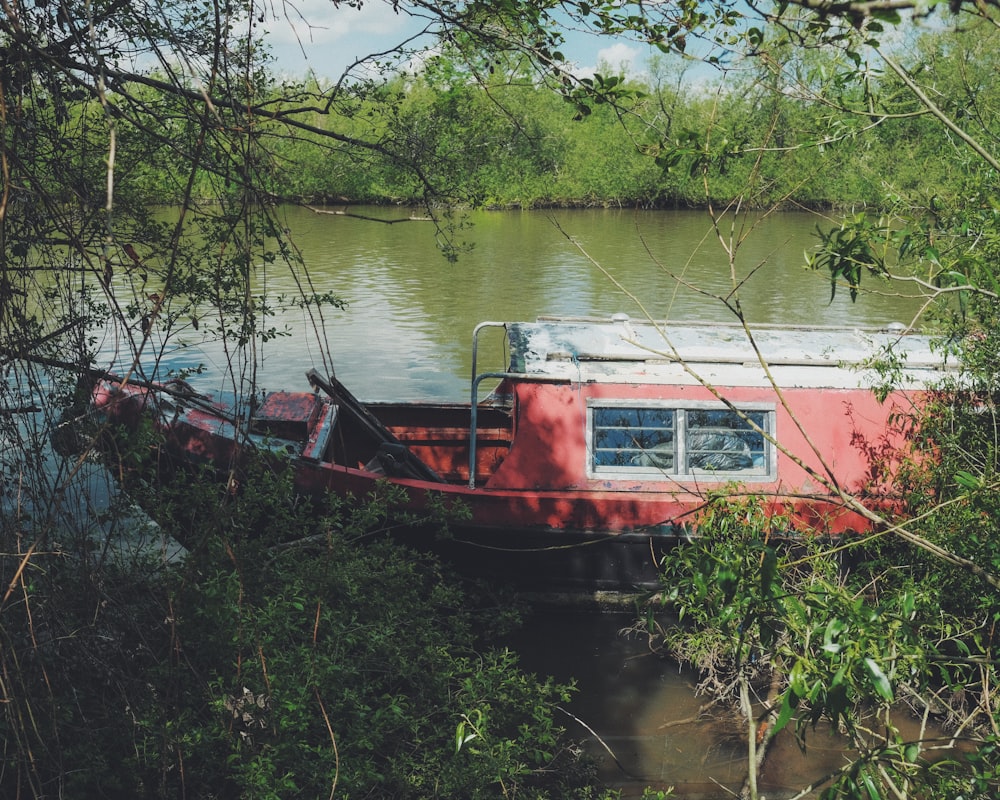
291,653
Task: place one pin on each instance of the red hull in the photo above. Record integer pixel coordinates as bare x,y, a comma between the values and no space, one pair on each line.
578,447
660,508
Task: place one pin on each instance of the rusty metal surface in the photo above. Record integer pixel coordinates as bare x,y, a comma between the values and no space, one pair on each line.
289,415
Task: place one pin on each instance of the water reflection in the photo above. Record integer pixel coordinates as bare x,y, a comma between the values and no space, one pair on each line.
406,331
640,718
637,713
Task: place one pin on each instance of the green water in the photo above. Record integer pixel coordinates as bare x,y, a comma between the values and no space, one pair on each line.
407,330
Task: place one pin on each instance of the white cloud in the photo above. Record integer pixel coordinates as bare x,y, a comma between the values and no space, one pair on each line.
327,37
622,58
616,59
320,22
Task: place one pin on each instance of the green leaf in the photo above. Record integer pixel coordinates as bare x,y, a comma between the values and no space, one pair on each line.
461,737
889,15
797,679
967,480
834,628
870,786
789,704
909,604
879,680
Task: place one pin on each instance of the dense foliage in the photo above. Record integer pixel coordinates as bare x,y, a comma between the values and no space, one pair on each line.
292,652
866,635
870,640
684,139
255,668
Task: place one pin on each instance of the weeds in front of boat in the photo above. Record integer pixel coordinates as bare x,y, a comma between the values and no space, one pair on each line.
810,634
292,650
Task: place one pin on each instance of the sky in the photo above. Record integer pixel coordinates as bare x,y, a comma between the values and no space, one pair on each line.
326,38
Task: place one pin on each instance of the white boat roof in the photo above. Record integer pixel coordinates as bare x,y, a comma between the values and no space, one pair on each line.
621,350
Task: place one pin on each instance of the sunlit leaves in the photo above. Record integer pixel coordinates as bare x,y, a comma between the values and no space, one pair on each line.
878,680
846,254
843,644
584,93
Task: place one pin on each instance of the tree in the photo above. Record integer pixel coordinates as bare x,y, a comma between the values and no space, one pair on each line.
122,673
847,635
97,96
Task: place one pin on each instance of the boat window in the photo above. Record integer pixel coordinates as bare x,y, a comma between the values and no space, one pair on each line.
682,442
633,437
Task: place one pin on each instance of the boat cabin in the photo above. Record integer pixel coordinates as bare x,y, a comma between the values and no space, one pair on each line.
618,426
614,404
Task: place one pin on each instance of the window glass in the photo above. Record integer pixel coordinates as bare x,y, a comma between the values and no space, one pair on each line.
634,437
722,440
681,442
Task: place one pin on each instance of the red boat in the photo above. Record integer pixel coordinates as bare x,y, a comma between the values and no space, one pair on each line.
600,441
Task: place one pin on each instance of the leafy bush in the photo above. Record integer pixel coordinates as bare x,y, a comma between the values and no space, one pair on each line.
291,653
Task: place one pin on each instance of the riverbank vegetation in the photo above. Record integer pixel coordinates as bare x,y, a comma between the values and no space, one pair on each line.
291,651
283,653
674,137
864,637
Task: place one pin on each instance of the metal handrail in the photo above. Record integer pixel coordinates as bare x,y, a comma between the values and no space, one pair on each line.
476,380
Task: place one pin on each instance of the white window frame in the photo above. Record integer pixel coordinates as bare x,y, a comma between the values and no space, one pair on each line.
680,408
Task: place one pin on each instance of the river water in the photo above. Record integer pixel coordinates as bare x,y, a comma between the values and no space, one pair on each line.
406,334
406,331
641,719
